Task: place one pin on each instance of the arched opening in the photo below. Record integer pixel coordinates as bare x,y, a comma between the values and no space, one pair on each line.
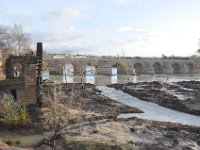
89,64
68,72
114,69
176,68
190,68
17,70
90,73
122,67
137,68
90,70
157,68
68,69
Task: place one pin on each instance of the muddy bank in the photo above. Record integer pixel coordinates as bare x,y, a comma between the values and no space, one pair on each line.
181,96
130,134
86,102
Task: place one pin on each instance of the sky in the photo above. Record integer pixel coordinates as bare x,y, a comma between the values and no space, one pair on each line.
108,27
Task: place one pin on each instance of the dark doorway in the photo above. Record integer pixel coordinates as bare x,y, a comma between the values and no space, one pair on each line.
14,93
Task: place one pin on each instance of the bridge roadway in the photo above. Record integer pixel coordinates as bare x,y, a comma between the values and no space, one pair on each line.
103,65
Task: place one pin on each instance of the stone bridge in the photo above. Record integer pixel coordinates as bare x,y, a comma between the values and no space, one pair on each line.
103,65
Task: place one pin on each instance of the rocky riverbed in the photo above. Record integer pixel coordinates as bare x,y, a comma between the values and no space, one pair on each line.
182,96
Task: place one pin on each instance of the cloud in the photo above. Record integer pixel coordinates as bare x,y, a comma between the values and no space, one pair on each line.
14,17
67,15
126,2
57,39
125,29
122,1
96,30
137,42
115,42
129,29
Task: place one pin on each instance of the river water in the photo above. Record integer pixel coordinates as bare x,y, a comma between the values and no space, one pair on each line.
151,111
105,80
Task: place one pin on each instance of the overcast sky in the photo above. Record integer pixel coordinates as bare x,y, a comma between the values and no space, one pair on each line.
109,27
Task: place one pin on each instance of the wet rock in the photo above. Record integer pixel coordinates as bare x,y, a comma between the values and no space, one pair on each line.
165,94
190,147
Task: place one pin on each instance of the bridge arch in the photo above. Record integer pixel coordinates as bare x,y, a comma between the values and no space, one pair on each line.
119,68
176,68
157,68
190,67
68,69
138,68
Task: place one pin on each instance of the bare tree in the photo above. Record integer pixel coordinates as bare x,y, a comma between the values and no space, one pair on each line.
14,39
55,115
20,39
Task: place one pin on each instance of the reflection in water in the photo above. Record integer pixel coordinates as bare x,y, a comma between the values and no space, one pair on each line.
90,74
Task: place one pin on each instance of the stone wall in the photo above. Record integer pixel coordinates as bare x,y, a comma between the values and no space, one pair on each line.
22,68
140,66
2,70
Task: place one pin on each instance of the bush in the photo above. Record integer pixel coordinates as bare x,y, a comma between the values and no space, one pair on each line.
13,112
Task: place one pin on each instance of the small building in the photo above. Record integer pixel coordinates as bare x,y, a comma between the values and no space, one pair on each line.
21,79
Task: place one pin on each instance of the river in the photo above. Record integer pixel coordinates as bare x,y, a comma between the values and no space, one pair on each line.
105,80
151,111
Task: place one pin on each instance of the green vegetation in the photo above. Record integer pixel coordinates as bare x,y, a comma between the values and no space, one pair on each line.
13,112
14,81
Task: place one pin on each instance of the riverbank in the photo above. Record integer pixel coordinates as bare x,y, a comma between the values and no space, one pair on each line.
63,105
125,134
87,119
181,96
82,103
129,134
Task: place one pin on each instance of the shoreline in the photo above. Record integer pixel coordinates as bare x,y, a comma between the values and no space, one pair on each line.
181,96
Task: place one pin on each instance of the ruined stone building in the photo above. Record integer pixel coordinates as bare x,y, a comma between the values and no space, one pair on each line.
19,74
20,77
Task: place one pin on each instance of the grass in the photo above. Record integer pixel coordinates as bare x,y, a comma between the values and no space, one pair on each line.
14,81
74,143
12,142
22,140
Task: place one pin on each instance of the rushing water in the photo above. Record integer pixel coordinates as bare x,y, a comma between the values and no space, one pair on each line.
151,111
